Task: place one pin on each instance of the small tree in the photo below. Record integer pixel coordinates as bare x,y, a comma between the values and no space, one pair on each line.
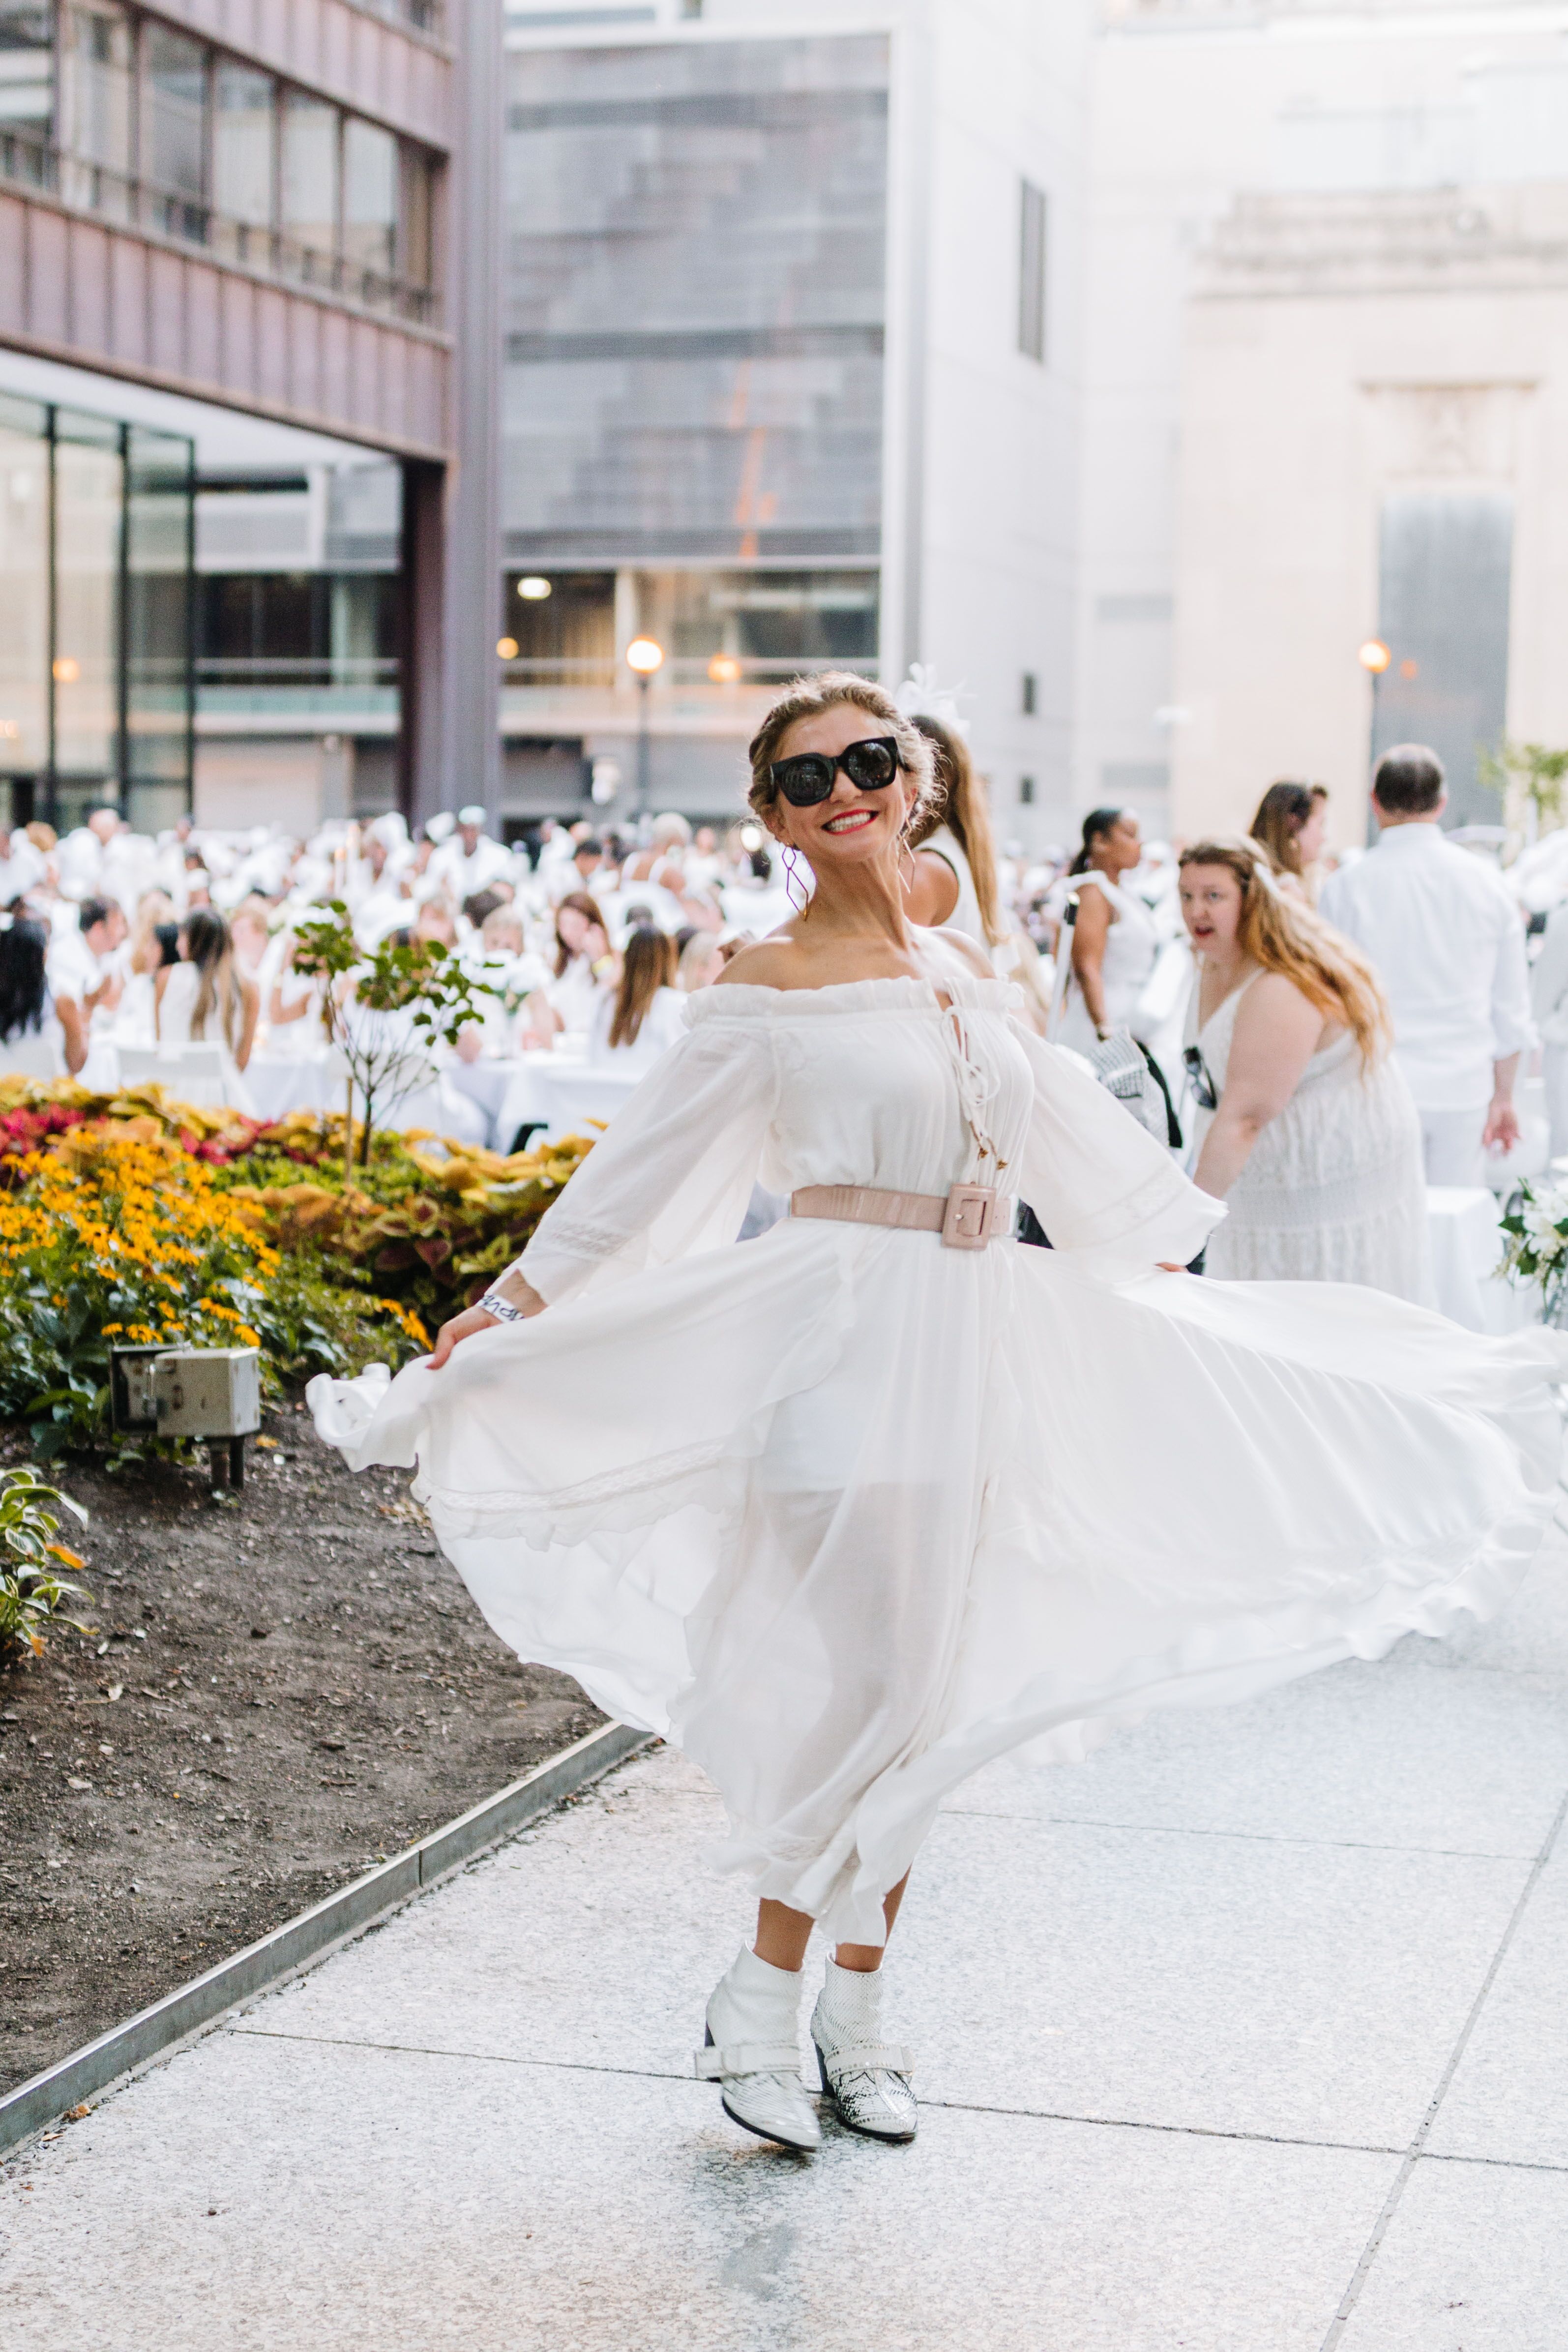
385,1010
1529,773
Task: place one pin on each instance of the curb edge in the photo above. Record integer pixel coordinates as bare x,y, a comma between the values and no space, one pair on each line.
302,1941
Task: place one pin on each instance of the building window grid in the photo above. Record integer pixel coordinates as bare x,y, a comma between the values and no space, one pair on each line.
138,195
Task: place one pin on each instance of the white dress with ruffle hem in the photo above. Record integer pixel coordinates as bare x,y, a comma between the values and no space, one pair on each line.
844,1513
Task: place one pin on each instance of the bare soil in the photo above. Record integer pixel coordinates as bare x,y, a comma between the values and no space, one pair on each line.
283,1689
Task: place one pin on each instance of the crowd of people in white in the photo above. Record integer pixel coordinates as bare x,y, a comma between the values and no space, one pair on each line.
1321,1036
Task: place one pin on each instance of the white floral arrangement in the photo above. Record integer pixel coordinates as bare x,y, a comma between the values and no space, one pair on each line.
1535,1245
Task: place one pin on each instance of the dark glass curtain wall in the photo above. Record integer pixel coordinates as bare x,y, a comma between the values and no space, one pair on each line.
96,617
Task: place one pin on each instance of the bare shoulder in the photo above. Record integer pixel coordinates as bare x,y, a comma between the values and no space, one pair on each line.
772,962
1274,1002
967,952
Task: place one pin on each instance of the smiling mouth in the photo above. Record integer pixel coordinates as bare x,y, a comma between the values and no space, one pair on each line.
851,821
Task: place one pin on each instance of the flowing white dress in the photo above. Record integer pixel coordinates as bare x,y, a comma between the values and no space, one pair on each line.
1332,1190
845,1513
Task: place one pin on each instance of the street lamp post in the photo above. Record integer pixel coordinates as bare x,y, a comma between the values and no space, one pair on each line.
643,655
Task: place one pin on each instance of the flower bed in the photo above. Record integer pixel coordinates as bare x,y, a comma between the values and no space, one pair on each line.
137,1218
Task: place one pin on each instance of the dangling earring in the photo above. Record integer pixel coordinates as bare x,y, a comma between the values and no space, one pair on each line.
792,881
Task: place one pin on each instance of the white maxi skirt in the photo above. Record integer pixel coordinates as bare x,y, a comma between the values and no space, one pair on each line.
846,1514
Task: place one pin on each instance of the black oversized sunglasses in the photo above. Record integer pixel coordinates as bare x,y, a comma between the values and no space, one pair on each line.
808,779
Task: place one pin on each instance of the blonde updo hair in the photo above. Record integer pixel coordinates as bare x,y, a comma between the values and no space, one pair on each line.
807,698
1285,935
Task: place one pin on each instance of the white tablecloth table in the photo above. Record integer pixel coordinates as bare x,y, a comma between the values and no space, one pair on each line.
1467,1243
559,1092
280,1083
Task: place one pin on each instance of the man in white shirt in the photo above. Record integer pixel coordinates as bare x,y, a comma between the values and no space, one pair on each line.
1448,946
470,861
21,866
78,967
577,872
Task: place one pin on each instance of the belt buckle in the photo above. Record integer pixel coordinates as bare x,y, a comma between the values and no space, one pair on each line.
970,1218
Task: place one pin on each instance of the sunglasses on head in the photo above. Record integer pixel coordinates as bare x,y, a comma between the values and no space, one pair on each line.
808,779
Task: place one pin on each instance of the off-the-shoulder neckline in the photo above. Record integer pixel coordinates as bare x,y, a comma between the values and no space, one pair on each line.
902,993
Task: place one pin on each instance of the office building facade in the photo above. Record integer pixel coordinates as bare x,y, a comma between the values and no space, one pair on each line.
789,326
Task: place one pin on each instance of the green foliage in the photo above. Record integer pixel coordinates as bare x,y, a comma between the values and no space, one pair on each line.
388,1009
1539,773
34,1596
1535,1244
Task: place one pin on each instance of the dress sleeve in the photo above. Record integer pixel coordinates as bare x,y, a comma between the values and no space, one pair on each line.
673,1172
1104,1191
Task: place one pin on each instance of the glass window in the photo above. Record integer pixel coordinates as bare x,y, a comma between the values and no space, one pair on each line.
173,130
27,89
97,99
88,490
244,154
158,492
24,588
308,208
415,240
369,198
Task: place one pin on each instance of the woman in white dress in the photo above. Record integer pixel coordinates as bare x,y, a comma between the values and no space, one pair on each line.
585,967
38,1038
647,1012
1307,1131
1115,941
954,882
843,1510
204,1000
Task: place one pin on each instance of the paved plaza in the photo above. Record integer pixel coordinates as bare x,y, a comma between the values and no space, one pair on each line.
1249,2036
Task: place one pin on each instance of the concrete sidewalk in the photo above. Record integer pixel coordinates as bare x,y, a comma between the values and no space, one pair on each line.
1247,2037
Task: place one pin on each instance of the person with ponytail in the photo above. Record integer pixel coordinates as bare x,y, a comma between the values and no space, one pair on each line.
1114,940
954,879
1308,1131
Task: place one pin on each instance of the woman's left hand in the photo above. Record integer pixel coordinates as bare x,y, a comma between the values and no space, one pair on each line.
462,1327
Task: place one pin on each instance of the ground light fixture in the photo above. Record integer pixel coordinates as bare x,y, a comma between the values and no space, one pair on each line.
533,589
724,669
645,655
507,647
1373,656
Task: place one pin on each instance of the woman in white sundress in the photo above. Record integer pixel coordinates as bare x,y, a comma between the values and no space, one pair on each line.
842,1510
205,999
1111,949
1307,1130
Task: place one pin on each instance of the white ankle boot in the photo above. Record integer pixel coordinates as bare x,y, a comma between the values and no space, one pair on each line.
868,2078
753,2052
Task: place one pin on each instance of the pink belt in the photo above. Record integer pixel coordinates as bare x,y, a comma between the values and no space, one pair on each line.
968,1216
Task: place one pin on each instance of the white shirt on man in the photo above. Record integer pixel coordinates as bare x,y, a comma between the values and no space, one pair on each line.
21,866
463,873
1447,944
